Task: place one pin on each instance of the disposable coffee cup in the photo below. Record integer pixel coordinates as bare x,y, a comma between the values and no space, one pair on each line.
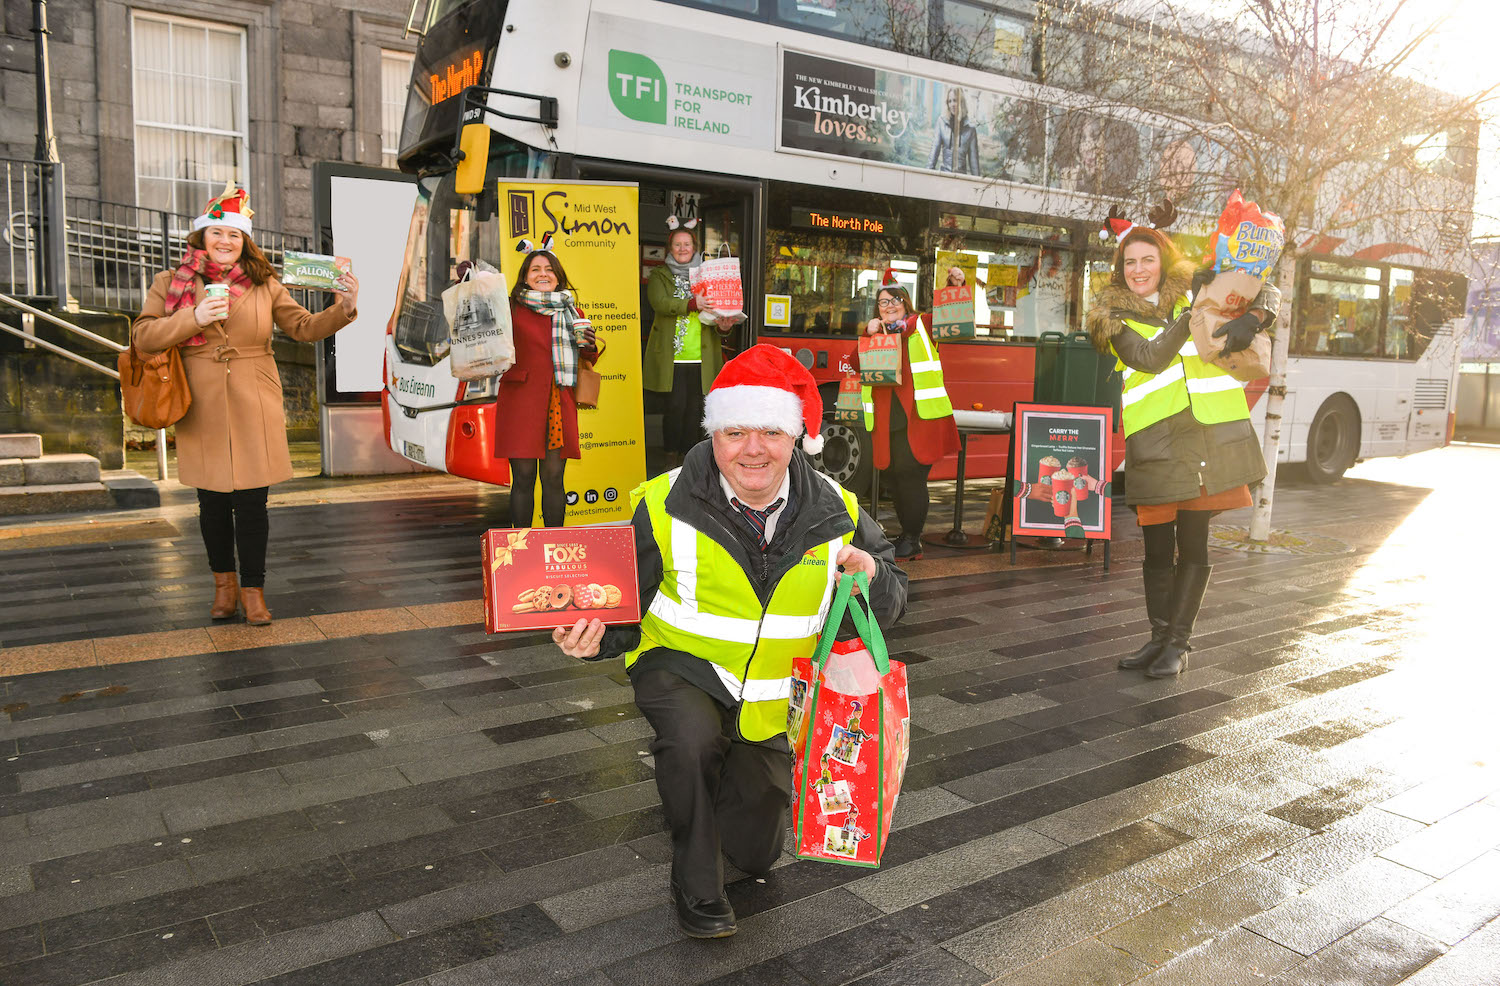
215,290
581,327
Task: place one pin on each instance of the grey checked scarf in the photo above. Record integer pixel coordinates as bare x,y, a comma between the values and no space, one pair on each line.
560,306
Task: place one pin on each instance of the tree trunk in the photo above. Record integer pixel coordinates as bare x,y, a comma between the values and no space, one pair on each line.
1260,520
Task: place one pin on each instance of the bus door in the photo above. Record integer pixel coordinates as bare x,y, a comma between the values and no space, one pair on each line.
727,210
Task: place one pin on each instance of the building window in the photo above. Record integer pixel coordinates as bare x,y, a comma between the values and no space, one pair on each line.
190,110
395,79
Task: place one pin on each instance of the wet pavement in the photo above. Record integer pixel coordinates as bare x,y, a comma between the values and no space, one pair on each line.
372,791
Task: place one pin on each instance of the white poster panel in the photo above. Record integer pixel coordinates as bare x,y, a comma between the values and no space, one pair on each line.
646,78
370,218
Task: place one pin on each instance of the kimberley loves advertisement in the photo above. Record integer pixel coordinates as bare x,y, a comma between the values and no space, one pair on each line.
911,121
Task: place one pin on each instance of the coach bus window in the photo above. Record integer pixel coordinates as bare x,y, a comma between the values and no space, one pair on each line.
883,23
1338,318
1437,299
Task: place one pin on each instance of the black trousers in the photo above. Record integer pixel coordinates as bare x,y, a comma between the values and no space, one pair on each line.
718,792
236,520
907,479
523,490
682,425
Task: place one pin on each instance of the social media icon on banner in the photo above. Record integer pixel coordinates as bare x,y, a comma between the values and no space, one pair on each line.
611,495
592,496
572,498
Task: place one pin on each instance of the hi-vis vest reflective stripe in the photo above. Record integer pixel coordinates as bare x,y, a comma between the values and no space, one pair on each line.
707,607
1147,398
926,381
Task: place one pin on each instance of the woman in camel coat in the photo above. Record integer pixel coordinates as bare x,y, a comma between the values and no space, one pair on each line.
231,445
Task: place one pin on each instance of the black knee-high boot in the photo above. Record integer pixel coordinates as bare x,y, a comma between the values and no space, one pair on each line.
1158,582
1187,597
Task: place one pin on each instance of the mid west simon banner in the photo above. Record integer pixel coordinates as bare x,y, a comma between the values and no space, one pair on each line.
593,227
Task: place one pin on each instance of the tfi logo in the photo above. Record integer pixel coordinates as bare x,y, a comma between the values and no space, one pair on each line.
557,554
637,87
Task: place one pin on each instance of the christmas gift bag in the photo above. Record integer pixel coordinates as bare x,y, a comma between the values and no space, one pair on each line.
849,408
480,339
1246,247
849,722
953,314
880,359
716,282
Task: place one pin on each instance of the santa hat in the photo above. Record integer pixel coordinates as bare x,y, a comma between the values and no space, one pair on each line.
230,207
765,387
888,279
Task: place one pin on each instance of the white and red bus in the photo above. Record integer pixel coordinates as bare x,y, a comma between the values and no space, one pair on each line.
820,156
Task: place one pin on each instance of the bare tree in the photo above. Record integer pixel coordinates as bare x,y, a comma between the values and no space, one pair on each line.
1309,106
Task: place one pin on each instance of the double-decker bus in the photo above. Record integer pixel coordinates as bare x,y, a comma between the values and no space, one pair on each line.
812,143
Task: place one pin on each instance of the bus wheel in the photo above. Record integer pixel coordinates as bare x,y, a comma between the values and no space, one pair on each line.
846,456
1333,439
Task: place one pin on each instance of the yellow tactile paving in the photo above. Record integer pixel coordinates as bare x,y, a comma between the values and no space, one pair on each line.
224,637
358,622
47,657
151,646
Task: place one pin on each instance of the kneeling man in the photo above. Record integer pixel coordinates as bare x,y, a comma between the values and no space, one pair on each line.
738,553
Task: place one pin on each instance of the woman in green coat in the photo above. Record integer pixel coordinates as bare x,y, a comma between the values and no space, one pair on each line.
683,353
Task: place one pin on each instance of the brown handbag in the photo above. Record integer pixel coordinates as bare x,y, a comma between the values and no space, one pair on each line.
586,392
153,390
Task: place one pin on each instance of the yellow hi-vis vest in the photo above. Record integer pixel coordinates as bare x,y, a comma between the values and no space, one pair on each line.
706,606
1146,398
926,381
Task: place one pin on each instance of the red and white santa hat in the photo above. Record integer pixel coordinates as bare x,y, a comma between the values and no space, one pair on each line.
765,387
230,207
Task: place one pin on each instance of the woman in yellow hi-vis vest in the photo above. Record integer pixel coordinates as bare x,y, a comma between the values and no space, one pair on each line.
911,433
1190,450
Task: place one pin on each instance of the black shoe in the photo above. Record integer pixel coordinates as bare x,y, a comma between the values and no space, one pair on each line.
1187,597
908,547
1158,582
699,918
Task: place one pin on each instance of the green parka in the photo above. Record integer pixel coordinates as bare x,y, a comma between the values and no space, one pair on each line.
656,364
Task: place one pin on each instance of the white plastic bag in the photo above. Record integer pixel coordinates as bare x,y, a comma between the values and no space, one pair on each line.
481,343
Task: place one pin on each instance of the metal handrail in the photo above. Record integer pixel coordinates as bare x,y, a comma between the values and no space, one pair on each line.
161,433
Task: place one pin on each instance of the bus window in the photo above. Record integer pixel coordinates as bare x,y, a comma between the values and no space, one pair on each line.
832,281
1437,299
1338,318
1400,333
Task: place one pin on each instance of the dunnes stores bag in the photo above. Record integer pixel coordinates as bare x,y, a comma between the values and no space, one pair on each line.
480,337
716,282
849,408
849,722
1246,248
953,314
880,359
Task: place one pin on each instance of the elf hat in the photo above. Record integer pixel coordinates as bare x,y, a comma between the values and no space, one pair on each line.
765,387
230,208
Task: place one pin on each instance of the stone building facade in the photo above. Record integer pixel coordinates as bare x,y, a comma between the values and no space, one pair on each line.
309,90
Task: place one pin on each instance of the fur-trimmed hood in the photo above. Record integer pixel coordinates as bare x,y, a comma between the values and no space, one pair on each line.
1116,301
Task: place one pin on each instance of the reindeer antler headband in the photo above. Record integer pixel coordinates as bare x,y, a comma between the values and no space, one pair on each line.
1116,225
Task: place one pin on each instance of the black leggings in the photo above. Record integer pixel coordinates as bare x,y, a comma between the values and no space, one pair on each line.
907,479
1188,534
682,425
523,490
236,519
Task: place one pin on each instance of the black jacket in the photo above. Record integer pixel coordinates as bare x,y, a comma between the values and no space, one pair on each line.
813,515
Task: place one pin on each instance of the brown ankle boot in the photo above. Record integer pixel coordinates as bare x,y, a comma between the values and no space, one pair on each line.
226,595
256,613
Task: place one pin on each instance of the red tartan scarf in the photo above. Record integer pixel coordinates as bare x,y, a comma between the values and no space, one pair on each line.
182,292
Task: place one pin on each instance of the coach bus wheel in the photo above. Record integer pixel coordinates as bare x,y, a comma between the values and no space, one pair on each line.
1333,439
846,456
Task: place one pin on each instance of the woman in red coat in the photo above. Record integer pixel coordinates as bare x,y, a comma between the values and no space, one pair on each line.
906,443
536,422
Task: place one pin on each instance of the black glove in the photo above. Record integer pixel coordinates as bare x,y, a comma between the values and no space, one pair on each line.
1201,277
1238,333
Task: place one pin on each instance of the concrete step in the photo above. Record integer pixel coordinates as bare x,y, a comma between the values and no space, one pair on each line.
61,469
54,498
20,446
130,489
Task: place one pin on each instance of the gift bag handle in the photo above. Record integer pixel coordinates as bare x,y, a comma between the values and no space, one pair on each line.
864,622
